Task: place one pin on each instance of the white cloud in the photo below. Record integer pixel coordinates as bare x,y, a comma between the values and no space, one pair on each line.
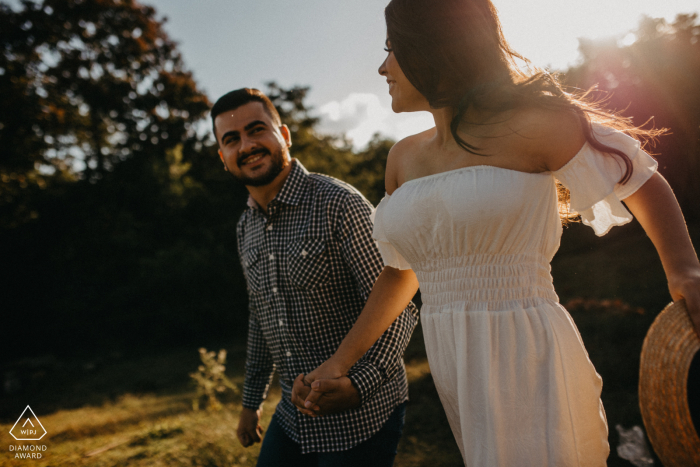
361,115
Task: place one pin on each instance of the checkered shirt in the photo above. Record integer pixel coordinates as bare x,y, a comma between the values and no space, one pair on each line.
310,264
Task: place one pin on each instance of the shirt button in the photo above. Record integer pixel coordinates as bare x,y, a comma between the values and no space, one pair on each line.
304,253
274,290
272,257
289,354
281,323
269,227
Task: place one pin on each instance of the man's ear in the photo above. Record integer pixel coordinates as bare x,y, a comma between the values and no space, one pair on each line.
221,155
287,135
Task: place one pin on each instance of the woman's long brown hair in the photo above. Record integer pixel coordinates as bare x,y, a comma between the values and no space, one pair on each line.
455,54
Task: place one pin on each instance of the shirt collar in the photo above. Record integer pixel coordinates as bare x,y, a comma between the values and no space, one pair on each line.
293,188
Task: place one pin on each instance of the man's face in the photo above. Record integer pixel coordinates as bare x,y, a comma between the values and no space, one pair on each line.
252,147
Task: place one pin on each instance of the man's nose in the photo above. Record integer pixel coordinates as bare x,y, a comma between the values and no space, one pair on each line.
247,144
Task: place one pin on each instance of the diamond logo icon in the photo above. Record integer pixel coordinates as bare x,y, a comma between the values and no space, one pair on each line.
28,427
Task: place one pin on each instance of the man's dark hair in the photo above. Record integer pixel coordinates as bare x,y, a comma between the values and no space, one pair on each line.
234,99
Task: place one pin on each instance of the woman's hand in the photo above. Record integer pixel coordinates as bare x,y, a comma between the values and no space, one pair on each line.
686,286
329,369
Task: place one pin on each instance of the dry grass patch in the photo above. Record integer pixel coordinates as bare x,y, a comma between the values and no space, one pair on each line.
147,430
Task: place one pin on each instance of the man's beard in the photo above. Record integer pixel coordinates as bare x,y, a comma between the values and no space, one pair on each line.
264,178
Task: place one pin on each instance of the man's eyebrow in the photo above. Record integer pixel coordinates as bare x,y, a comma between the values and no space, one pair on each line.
229,134
254,124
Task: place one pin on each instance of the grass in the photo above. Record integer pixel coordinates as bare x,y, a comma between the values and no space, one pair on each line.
139,413
136,410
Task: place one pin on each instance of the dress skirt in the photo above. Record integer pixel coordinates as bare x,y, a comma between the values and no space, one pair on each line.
517,386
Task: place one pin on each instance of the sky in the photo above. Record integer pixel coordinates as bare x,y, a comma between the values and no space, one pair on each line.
336,46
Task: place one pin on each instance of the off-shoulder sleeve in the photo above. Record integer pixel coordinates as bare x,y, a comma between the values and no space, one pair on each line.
389,254
593,179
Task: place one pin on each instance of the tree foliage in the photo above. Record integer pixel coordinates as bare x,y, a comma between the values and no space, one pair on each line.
87,84
656,76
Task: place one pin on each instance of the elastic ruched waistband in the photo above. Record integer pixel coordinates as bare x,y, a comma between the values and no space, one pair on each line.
486,282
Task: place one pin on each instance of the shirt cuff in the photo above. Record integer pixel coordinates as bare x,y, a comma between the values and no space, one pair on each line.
254,396
249,402
366,378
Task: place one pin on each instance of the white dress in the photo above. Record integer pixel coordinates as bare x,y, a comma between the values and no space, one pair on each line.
507,360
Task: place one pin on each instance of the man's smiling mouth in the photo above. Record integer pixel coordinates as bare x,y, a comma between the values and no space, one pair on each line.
252,158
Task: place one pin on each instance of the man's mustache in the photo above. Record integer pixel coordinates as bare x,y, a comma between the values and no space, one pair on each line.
254,152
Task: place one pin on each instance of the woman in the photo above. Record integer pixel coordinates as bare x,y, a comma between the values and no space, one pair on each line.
472,214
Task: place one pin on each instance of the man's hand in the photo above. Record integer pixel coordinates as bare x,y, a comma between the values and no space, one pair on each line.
249,430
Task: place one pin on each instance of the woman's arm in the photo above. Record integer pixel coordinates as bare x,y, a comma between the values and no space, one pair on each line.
655,207
390,295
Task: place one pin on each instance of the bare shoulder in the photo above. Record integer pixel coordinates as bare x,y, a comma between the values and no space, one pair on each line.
551,138
400,156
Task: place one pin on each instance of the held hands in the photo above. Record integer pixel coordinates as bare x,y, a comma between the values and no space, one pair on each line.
300,390
329,370
324,391
334,395
249,430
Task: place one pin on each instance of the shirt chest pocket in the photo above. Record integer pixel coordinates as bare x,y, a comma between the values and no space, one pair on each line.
253,269
309,265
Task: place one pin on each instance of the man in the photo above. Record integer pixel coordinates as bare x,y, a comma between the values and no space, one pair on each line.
310,263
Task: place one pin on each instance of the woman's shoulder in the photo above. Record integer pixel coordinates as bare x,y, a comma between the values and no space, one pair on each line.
400,154
549,138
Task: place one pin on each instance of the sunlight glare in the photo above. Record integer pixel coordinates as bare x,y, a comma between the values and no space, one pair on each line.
547,31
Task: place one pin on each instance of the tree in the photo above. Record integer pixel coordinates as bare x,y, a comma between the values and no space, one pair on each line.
87,84
655,76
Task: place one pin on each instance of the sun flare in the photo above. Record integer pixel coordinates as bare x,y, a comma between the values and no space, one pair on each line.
547,31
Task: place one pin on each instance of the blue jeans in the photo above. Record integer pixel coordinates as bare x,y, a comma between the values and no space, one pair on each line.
278,450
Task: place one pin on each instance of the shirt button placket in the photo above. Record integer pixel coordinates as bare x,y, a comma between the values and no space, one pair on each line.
279,303
269,240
